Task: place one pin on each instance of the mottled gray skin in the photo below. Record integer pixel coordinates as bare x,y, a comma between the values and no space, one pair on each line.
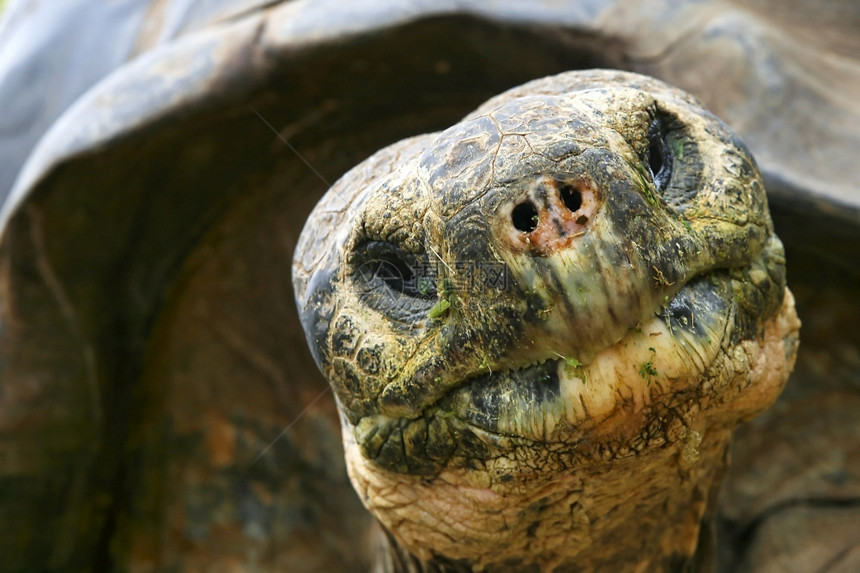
573,294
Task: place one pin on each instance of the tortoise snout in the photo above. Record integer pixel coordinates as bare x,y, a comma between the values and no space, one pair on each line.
554,213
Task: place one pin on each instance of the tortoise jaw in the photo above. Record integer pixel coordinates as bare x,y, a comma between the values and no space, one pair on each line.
559,400
684,355
553,400
491,495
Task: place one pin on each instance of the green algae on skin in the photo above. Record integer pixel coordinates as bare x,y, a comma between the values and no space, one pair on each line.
439,309
647,371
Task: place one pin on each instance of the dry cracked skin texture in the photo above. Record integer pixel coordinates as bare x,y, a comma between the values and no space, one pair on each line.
543,324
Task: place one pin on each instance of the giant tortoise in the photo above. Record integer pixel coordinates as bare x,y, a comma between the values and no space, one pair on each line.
160,409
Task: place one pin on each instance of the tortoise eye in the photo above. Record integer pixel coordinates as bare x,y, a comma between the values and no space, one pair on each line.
386,266
660,156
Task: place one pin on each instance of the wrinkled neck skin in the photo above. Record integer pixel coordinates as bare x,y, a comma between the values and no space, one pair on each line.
631,511
639,491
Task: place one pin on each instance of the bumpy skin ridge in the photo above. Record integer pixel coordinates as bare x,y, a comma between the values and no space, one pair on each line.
542,324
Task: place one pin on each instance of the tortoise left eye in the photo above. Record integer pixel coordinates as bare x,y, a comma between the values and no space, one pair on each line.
659,155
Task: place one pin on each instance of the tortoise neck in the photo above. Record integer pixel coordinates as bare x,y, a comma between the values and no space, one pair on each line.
655,514
391,557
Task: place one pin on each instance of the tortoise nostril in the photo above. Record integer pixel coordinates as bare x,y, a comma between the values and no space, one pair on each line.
571,196
525,217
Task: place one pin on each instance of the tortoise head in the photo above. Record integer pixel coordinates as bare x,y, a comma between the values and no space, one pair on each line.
542,324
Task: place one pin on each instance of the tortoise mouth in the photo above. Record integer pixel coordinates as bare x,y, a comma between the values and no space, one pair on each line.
561,400
555,399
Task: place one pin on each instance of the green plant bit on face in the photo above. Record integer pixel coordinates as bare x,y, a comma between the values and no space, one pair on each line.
445,302
647,370
572,365
439,308
646,187
485,364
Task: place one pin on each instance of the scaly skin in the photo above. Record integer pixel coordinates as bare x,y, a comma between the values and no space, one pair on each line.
543,323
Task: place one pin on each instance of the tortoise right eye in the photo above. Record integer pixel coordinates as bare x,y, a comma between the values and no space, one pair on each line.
384,265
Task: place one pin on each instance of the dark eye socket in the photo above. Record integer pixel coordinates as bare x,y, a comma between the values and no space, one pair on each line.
383,265
660,156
